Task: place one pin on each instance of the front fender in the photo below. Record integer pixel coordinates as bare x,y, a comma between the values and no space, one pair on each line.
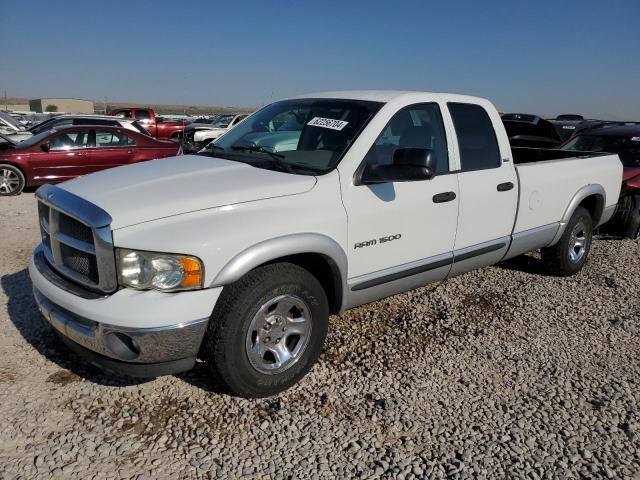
284,246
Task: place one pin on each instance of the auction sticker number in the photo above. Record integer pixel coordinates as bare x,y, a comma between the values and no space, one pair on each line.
327,123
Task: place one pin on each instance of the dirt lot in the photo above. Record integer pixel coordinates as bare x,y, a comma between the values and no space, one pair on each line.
502,373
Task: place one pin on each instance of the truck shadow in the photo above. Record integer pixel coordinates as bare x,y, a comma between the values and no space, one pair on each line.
24,314
526,264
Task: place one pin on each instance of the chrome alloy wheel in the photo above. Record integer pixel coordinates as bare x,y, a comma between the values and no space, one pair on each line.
9,181
279,334
578,242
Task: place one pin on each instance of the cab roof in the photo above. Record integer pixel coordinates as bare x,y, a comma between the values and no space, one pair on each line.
386,96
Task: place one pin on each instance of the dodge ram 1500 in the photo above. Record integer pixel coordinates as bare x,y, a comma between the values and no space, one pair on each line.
239,255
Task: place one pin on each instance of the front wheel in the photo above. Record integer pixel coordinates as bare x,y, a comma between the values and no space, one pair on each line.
12,180
267,330
568,256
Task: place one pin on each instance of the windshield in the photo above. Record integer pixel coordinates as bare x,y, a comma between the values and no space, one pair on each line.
627,148
302,136
9,120
35,139
222,121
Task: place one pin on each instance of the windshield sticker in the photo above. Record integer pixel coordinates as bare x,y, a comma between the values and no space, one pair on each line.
328,123
568,127
635,139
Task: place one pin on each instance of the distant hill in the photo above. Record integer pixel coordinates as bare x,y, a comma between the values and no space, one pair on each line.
166,109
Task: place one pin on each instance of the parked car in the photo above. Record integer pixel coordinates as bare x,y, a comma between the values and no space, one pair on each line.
624,140
240,254
156,126
12,129
525,130
569,116
104,120
60,154
197,135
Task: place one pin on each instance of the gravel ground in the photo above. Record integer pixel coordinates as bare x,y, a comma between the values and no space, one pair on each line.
500,373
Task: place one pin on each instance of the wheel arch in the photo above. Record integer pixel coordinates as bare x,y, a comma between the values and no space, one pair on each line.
319,254
593,198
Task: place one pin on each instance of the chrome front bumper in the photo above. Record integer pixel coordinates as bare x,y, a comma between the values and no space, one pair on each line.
141,352
138,345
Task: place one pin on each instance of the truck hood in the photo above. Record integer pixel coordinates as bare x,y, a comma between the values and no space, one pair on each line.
170,186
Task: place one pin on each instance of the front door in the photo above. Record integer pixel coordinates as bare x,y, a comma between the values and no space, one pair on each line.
401,234
68,157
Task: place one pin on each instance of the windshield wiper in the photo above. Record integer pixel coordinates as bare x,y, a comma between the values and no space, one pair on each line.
257,148
209,150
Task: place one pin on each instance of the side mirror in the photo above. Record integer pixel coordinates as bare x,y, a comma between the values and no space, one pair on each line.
45,147
409,165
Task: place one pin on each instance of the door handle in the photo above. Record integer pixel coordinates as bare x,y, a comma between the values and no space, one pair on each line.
81,154
444,197
129,151
504,187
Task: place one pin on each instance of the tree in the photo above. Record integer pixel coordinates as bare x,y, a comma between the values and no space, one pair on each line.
51,108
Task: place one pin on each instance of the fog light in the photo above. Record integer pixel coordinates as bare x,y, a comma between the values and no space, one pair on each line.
122,345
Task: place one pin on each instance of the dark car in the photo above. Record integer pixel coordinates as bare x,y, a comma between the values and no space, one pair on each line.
61,154
526,130
625,141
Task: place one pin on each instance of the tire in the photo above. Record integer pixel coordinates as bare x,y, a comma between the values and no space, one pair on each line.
628,216
568,256
272,310
12,180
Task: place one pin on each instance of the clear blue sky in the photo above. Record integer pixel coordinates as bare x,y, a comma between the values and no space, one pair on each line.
543,57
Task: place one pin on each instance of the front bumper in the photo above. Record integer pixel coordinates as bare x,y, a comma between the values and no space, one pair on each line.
129,345
131,351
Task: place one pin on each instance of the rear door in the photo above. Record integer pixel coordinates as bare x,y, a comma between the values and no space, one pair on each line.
69,156
112,148
488,188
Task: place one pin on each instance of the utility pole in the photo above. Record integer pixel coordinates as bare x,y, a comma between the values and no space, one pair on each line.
6,106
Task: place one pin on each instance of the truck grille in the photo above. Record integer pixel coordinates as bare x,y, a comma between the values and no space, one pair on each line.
76,239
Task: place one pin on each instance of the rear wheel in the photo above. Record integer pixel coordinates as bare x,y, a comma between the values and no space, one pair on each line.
12,180
626,221
267,330
568,256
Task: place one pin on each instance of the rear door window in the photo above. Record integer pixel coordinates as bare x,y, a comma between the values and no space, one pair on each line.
106,139
477,140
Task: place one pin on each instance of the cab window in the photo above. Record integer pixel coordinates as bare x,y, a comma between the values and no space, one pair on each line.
415,126
143,116
476,137
123,114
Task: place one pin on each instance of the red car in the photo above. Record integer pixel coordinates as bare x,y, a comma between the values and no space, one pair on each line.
61,154
156,127
625,141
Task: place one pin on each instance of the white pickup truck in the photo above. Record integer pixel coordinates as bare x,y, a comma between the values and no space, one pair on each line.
311,206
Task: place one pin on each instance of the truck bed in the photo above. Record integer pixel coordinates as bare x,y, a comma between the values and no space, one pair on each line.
549,178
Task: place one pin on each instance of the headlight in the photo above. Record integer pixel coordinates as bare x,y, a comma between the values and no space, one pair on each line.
159,271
